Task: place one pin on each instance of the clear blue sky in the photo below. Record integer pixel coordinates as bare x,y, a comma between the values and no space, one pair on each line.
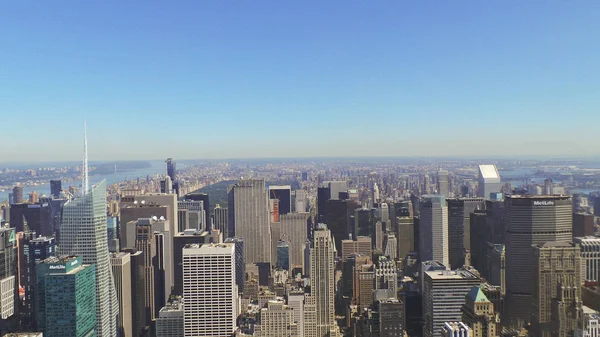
210,79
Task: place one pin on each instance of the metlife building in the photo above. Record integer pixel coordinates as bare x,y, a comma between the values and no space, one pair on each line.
65,297
531,220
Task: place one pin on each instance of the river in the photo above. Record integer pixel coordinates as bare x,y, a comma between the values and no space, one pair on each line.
157,166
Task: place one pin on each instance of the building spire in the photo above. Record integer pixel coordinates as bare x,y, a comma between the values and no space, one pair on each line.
85,182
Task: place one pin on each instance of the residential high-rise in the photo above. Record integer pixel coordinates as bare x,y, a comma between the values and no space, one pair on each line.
55,188
478,313
251,210
443,297
322,275
208,280
590,255
220,220
489,181
83,233
530,220
8,277
284,195
433,230
171,169
557,266
121,268
459,227
66,297
442,183
293,231
169,322
18,195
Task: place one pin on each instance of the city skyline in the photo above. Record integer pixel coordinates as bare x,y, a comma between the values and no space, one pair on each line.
425,72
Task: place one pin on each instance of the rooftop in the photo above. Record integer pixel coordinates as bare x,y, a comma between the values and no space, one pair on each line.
477,295
450,275
489,172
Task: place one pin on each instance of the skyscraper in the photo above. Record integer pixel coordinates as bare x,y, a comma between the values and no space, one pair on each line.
459,223
66,294
171,171
220,220
478,313
590,254
284,195
442,183
433,229
83,233
35,250
198,196
443,297
322,275
8,276
18,195
251,210
240,265
489,181
170,319
208,279
121,268
55,188
530,221
277,320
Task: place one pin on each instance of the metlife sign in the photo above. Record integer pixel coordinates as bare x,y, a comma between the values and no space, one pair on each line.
543,203
57,267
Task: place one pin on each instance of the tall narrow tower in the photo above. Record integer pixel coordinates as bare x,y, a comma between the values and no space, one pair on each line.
322,275
85,185
83,233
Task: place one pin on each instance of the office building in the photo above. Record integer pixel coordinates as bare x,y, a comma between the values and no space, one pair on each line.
112,233
8,277
295,300
293,230
121,269
556,268
171,169
170,319
530,221
240,265
220,220
37,216
433,230
589,327
277,320
283,255
66,297
459,223
336,187
198,196
133,211
18,195
444,294
364,223
456,329
35,250
489,181
284,195
478,313
391,318
55,188
189,236
323,195
139,325
300,201
322,273
405,229
442,183
146,241
590,256
362,246
251,211
209,278
338,219
193,206
583,225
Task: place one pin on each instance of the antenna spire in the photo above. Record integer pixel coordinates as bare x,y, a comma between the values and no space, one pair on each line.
85,182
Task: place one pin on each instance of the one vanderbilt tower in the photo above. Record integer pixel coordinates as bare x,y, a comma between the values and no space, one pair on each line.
530,220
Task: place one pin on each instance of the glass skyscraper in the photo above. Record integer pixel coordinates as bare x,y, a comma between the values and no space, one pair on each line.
83,233
66,301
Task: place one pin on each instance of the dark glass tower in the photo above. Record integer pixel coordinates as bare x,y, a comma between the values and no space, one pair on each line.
55,188
171,171
35,250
